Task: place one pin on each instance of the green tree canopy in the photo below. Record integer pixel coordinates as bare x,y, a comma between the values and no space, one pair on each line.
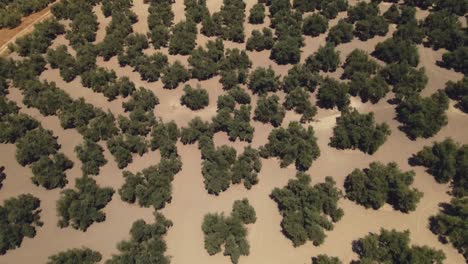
458,91
269,110
35,144
195,99
50,172
83,255
91,156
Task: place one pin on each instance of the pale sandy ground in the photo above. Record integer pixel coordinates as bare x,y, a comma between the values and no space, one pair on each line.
190,200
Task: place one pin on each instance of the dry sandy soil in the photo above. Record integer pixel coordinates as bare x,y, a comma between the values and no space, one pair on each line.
191,201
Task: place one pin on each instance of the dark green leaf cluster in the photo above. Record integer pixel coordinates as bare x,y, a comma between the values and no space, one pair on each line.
153,185
263,80
368,88
288,30
83,26
423,117
139,122
342,32
269,110
358,61
260,40
333,93
447,162
141,99
50,172
123,146
406,80
205,62
292,144
326,58
91,156
380,184
458,91
146,243
44,96
196,10
196,130
370,26
301,76
299,100
60,58
456,60
236,123
452,6
102,127
443,30
246,168
19,217
82,207
26,69
397,51
195,99
103,81
229,231
394,247
257,14
232,15
160,17
234,68
83,256
40,39
325,259
307,210
151,67
217,168
174,74
183,37
164,137
2,175
35,144
12,11
451,225
14,125
354,130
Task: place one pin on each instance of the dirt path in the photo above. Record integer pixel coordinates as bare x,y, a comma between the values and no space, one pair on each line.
8,35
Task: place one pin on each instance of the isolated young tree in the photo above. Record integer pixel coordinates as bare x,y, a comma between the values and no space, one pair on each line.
82,255
314,25
20,217
146,243
174,74
326,59
292,144
450,224
229,231
152,186
307,210
35,144
50,172
380,184
299,100
263,80
82,207
260,40
91,156
333,93
394,247
195,99
355,130
269,110
397,51
458,91
257,14
423,117
342,32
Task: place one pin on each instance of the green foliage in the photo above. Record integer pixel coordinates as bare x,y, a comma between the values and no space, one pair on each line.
174,74
83,255
159,19
195,99
91,156
300,76
269,110
195,10
299,100
380,184
152,186
246,167
362,11
98,79
151,67
406,80
394,247
164,137
333,93
77,114
392,14
122,86
141,99
443,30
397,51
2,175
286,51
40,39
60,58
447,162
204,62
326,59
35,144
217,168
452,6
260,40
236,123
423,117
50,172
138,123
314,25
342,32
306,210
46,97
263,80
292,144
456,60
355,130
257,14
358,61
100,128
458,91
230,231
82,207
146,243
451,225
325,259
182,40
368,88
196,129
371,27
122,147
14,126
19,218
232,15
410,31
